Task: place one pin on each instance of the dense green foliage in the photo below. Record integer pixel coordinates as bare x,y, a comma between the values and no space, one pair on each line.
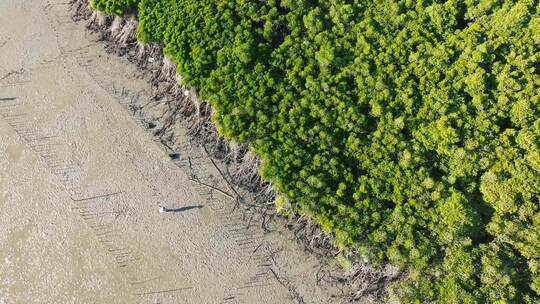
409,128
114,6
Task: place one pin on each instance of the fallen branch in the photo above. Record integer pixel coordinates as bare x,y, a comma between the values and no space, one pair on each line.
19,71
238,196
212,187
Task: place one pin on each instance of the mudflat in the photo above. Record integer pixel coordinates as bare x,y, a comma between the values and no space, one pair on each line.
81,183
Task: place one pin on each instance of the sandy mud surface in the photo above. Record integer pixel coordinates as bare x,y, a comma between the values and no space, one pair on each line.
81,183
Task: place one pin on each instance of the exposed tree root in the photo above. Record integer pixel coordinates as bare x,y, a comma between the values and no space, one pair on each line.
366,281
80,10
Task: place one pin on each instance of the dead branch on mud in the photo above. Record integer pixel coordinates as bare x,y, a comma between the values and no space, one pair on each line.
19,71
212,187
